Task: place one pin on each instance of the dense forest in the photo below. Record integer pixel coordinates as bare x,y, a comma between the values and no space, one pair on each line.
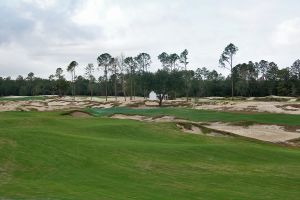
130,76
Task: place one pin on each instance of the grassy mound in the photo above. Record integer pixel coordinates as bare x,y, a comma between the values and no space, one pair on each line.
52,156
205,115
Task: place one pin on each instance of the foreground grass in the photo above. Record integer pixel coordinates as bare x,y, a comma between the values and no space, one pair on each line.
205,115
50,156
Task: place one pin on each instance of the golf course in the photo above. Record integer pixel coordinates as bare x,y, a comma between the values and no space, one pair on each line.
149,100
53,155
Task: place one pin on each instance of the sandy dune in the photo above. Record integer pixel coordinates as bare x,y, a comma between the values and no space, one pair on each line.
290,106
254,106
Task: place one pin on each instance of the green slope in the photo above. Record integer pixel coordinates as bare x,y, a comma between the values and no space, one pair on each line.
50,156
205,115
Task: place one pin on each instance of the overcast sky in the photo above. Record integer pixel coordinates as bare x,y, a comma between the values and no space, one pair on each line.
42,35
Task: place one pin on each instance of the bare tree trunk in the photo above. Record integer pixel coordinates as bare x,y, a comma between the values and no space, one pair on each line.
105,90
131,87
133,90
123,87
91,89
105,84
74,85
115,87
160,98
186,84
72,88
231,78
144,90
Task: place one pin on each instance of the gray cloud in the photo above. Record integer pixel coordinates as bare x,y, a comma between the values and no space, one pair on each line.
13,25
41,35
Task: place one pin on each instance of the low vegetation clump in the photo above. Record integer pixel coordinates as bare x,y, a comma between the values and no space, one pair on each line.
243,123
29,98
270,98
77,113
235,98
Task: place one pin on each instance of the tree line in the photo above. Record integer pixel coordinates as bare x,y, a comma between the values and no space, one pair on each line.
130,76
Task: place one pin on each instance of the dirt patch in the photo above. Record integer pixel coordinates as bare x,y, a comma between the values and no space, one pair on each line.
4,142
165,119
151,103
289,107
190,129
6,170
199,129
80,114
132,117
145,118
250,109
294,142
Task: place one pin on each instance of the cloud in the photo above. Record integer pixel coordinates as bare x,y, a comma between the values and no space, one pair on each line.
13,24
46,34
43,4
287,33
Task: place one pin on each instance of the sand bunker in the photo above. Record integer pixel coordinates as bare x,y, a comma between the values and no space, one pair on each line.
146,119
52,103
133,117
268,133
251,106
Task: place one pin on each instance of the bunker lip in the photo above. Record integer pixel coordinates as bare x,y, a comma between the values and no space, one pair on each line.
78,113
263,132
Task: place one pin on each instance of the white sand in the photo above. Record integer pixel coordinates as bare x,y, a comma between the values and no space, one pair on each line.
270,133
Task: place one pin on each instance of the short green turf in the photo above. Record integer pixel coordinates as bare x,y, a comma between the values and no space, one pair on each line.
204,115
46,155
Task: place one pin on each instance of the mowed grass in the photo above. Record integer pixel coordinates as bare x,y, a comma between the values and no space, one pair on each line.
204,115
51,156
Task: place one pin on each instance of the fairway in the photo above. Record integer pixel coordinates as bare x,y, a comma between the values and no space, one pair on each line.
204,115
46,155
149,100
